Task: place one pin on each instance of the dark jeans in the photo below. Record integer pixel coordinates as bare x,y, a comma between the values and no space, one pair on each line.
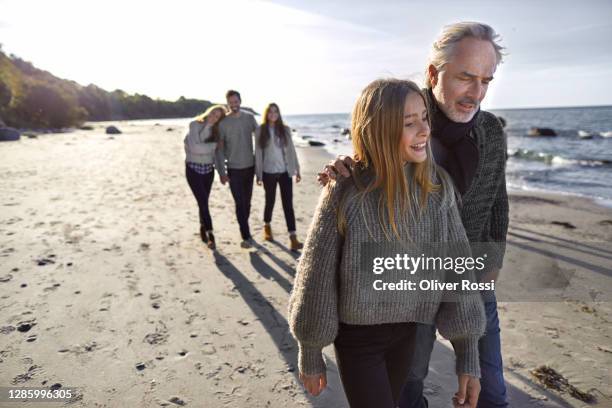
412,393
493,388
241,185
270,180
374,362
200,185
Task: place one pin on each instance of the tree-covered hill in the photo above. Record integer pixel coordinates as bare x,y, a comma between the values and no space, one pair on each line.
36,99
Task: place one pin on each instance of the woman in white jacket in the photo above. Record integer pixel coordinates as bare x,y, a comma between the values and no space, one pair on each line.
275,164
204,153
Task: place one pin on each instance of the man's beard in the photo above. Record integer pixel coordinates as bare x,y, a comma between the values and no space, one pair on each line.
461,117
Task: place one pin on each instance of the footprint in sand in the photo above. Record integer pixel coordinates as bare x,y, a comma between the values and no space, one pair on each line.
6,278
27,376
52,288
208,349
177,401
564,224
45,261
25,326
7,251
159,337
155,296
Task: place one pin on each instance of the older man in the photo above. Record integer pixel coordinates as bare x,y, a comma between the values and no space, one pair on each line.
471,146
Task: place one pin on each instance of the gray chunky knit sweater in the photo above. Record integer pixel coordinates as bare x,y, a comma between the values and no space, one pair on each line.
331,287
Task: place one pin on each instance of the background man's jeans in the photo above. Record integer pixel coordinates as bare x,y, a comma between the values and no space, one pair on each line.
241,185
493,388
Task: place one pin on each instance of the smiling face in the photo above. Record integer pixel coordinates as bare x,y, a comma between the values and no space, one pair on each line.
234,103
273,115
462,83
415,134
213,117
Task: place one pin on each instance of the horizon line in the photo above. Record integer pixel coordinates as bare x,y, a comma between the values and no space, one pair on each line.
491,109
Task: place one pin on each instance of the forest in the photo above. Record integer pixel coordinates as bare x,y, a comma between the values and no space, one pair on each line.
31,98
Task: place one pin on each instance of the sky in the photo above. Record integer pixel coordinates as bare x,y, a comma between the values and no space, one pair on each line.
309,56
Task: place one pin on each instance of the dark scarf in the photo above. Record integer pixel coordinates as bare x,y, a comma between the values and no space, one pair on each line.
453,148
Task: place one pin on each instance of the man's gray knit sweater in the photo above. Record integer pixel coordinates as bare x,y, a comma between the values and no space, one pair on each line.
331,287
484,206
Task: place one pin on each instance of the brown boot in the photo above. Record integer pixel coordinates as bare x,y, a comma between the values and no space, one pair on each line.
268,232
295,244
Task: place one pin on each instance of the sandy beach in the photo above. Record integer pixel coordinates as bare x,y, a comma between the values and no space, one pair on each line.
106,286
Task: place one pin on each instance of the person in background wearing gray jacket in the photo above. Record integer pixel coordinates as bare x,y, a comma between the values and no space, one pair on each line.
236,134
202,156
276,163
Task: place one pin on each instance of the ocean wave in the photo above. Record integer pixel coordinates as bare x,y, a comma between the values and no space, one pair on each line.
548,158
563,133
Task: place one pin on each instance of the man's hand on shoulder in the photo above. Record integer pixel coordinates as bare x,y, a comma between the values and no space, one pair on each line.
339,167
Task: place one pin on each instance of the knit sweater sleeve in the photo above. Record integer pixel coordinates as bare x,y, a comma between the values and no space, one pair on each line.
291,149
462,319
221,153
500,214
193,142
220,160
313,311
258,155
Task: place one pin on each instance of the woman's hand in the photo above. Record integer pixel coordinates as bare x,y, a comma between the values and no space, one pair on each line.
259,182
314,384
467,396
298,178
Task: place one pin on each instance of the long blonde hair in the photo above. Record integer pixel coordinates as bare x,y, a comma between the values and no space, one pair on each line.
214,134
376,129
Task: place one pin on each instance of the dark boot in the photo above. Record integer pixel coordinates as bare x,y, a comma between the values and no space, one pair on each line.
211,241
203,235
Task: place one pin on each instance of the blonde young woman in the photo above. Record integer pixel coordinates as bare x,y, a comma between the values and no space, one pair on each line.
276,163
396,194
203,154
